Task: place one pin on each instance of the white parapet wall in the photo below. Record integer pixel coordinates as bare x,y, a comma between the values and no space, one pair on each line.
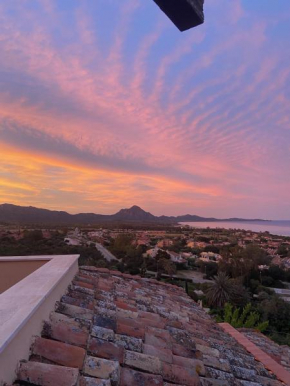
25,306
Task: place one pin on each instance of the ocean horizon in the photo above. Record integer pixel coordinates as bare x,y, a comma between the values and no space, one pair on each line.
279,228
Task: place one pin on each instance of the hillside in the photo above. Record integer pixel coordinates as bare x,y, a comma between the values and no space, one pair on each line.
30,215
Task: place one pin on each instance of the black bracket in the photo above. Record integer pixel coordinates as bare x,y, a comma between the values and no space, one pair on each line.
185,14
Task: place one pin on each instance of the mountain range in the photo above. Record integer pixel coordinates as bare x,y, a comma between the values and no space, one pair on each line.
14,214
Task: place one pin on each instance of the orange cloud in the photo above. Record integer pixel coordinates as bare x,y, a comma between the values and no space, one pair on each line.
192,129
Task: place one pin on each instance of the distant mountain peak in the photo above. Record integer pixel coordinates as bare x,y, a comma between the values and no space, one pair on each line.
10,213
136,207
135,213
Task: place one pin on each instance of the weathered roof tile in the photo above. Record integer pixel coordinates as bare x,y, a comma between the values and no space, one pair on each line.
220,364
180,375
190,363
43,374
88,381
130,330
163,354
157,341
115,329
74,311
66,330
129,342
59,353
84,303
137,378
208,350
103,333
102,368
143,362
214,382
103,349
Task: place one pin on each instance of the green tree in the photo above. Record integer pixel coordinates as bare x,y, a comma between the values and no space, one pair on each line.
161,258
247,318
32,236
212,248
282,250
122,246
276,273
277,311
219,292
162,255
168,267
224,290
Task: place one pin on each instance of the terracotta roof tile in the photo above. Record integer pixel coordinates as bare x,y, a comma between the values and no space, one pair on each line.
88,381
47,375
74,311
66,330
130,329
108,350
190,363
103,333
163,354
180,375
84,303
129,342
58,352
102,368
137,378
123,330
143,362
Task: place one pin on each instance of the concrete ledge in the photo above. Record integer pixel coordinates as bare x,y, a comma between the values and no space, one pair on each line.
25,306
269,363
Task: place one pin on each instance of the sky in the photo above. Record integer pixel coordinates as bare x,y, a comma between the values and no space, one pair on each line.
104,104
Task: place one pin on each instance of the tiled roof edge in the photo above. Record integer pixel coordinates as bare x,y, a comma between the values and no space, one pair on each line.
269,363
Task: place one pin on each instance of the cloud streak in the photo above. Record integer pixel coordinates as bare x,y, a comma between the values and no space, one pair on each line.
194,122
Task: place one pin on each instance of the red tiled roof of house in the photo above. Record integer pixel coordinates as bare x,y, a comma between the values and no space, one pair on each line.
116,329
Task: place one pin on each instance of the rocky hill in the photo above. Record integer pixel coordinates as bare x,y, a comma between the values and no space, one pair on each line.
30,215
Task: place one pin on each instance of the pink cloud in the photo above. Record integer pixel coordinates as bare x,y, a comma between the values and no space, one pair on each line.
195,147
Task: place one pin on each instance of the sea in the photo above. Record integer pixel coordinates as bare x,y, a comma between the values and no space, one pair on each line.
279,228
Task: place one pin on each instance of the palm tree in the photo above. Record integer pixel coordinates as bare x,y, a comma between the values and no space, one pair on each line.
220,291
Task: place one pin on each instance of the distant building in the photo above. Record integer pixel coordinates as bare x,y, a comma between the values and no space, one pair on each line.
95,234
165,243
143,241
177,258
276,260
187,255
286,263
71,241
196,244
152,252
174,257
263,267
210,257
74,237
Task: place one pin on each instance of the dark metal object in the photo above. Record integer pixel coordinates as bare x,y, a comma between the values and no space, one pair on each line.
186,287
185,14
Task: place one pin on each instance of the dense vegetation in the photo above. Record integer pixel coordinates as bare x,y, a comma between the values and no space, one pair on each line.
246,317
33,243
240,282
239,291
133,260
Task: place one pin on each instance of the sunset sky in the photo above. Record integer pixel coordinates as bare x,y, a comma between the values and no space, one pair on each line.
105,104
